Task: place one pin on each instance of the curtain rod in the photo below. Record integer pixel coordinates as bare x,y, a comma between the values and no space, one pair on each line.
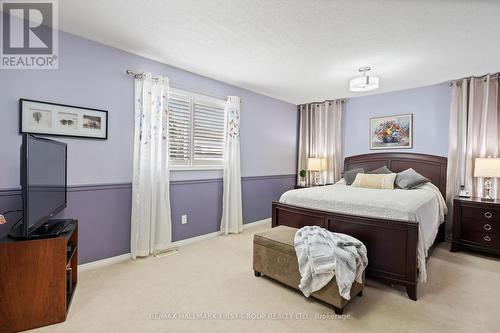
135,75
140,76
495,76
342,100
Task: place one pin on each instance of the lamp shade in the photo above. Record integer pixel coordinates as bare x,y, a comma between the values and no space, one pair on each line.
487,167
316,164
364,83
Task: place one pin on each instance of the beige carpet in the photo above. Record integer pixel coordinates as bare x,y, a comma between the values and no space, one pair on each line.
214,279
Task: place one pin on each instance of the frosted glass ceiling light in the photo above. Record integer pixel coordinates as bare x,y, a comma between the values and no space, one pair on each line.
365,82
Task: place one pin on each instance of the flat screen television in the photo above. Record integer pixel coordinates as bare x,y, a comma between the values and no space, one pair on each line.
43,181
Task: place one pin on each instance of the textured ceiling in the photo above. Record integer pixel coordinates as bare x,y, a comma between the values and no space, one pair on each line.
300,51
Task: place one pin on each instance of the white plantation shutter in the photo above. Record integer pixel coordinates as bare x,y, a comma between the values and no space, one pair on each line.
179,106
197,129
209,132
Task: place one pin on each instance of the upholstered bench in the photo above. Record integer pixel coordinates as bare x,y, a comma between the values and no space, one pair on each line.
274,256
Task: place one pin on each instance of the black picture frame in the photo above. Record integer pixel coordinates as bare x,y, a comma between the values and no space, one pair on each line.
84,122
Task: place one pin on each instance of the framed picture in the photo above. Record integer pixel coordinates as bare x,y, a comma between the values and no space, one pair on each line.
62,120
391,132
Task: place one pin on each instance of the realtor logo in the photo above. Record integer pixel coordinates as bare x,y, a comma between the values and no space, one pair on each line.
29,34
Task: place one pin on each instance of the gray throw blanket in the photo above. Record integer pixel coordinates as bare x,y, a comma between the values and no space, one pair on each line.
323,254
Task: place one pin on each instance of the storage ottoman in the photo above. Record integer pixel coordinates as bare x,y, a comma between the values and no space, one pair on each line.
274,256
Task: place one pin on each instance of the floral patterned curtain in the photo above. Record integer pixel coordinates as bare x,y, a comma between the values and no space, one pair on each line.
151,221
232,216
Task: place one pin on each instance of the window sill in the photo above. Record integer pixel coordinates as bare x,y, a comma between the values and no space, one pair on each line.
196,168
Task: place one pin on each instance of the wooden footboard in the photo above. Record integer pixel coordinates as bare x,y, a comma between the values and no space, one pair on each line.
391,244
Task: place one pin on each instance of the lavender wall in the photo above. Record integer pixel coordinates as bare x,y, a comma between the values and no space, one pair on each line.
430,107
204,216
93,75
104,210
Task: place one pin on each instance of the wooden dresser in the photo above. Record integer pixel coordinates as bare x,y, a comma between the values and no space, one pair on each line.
476,225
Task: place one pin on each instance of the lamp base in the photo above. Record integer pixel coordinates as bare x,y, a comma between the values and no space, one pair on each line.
487,189
316,178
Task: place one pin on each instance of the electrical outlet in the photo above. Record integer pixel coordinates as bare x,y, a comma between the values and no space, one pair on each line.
184,219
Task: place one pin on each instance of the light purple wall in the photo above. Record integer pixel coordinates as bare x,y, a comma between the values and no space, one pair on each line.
93,75
103,211
430,107
104,220
204,216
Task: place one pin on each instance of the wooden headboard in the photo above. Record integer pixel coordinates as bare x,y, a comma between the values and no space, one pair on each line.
429,166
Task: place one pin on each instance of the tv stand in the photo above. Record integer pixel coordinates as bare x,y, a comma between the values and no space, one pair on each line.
51,228
38,278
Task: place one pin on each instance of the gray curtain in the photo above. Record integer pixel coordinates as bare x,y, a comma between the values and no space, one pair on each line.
320,136
474,132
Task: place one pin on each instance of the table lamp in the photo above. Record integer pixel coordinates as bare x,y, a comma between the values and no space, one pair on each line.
487,168
316,165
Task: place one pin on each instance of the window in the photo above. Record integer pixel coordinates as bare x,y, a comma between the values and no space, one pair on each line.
196,130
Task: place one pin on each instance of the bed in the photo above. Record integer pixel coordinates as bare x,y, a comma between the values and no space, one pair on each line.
395,239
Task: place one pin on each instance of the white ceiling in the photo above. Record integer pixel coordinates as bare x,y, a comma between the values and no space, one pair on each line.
300,51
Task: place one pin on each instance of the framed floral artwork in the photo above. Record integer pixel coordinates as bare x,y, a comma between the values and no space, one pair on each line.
391,132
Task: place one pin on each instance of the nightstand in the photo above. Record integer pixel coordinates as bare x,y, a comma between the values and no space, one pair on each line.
476,225
301,186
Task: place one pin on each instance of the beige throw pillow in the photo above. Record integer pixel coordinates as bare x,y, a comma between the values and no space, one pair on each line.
378,181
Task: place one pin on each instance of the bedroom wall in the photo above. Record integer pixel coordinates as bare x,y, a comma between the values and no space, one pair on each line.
100,172
429,106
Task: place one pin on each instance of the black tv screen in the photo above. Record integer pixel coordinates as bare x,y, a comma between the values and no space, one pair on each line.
43,180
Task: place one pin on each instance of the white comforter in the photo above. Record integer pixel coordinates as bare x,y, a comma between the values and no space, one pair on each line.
425,205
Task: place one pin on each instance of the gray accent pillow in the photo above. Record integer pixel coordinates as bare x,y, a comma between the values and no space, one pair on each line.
383,170
350,175
410,179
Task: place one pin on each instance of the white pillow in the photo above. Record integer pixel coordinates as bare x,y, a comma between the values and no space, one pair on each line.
376,181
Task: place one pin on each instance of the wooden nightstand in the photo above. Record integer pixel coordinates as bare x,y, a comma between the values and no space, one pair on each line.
300,186
476,225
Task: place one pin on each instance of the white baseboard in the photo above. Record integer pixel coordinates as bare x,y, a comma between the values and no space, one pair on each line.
195,239
127,256
257,223
104,262
217,233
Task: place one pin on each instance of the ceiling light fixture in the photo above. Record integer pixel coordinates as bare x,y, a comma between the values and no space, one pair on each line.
365,82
